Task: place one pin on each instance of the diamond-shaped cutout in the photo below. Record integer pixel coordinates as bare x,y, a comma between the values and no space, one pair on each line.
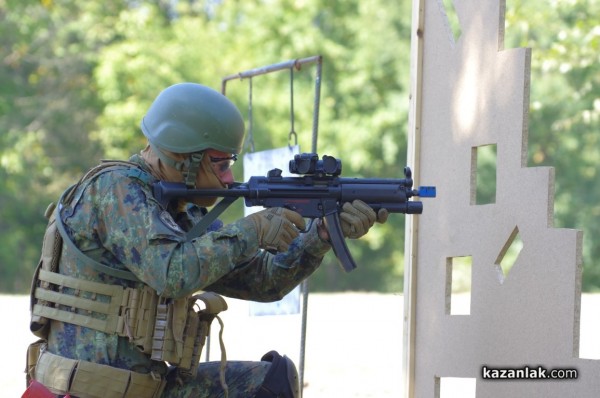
508,255
452,18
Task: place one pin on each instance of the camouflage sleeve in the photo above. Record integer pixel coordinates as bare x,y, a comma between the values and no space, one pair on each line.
268,277
145,238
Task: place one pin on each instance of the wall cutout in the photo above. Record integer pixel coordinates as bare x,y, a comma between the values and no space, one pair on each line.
448,9
458,285
452,387
509,254
483,174
589,344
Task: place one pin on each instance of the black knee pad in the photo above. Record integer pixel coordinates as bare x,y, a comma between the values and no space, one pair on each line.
282,378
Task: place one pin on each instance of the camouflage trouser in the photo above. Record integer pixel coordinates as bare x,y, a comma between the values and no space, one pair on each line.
243,378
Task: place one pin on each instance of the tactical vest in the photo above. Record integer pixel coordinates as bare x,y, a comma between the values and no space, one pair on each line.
169,330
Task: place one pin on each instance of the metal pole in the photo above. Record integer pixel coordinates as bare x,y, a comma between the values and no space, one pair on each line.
293,64
304,287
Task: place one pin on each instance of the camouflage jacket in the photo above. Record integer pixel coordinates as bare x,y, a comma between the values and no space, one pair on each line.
114,219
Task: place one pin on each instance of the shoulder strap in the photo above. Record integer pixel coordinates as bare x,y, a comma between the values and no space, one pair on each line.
128,275
134,171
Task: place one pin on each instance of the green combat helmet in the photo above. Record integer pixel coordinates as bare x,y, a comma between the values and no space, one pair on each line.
190,118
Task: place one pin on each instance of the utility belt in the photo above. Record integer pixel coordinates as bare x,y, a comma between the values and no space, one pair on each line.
85,379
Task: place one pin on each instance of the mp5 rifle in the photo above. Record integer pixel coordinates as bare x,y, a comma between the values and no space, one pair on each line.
317,192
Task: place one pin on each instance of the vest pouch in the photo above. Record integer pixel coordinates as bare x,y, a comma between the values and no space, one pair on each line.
199,328
180,331
138,319
33,354
168,336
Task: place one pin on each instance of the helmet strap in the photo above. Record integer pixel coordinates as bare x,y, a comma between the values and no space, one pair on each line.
192,166
188,167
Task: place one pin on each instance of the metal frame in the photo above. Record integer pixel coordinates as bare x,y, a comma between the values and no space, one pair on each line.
294,64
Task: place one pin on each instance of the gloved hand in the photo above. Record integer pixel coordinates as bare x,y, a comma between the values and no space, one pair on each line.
357,218
277,227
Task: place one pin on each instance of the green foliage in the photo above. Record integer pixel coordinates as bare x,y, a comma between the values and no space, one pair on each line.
47,105
76,78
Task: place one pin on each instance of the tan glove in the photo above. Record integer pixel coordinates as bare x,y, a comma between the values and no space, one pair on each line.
277,227
358,217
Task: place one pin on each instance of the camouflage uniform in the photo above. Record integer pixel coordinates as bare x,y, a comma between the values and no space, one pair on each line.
114,219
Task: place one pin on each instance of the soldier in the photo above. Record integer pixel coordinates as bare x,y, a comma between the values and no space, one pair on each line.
113,297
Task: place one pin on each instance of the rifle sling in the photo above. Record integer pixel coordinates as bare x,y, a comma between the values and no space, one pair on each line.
199,228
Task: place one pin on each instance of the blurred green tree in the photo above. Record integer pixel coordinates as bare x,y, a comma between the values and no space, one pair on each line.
564,119
76,78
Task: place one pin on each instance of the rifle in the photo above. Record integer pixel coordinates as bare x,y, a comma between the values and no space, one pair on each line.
318,192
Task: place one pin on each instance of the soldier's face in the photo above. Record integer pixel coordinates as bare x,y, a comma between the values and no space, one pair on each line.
221,163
